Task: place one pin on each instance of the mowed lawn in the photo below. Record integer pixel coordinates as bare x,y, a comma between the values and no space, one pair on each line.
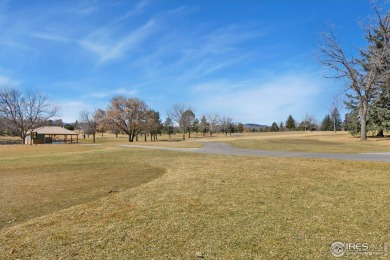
165,204
319,142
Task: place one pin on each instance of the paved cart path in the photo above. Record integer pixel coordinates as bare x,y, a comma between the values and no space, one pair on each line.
225,149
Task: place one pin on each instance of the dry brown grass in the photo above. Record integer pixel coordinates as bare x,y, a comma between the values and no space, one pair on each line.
50,180
9,137
18,151
322,142
225,207
175,141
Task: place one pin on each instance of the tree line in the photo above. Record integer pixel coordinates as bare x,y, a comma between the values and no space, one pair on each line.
331,122
22,112
133,117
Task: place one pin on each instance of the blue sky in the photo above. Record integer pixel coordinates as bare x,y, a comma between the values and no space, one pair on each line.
254,61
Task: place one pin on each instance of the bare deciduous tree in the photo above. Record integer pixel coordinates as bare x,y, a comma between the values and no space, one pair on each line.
335,114
213,123
89,123
226,124
364,75
152,124
23,112
182,115
101,120
308,122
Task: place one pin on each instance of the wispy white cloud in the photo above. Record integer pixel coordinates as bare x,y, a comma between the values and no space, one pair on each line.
137,10
109,50
105,94
101,44
261,102
9,43
51,37
8,82
195,55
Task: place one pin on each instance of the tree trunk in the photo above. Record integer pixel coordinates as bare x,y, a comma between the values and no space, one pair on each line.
151,137
189,134
130,138
363,134
184,135
94,139
363,122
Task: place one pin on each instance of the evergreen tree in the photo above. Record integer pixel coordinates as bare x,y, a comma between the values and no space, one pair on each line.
187,121
290,123
327,123
203,125
168,127
379,108
379,115
240,128
351,123
195,126
281,127
76,125
301,126
69,127
274,127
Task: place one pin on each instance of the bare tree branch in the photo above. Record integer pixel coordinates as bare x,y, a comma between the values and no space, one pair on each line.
22,113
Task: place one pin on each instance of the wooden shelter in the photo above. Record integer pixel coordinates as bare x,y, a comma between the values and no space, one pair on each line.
51,134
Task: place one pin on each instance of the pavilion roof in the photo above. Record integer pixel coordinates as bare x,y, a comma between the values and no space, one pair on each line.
53,130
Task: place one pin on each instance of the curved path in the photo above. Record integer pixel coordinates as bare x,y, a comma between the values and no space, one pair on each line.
225,149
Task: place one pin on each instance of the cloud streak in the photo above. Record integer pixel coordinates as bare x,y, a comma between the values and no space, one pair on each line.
8,82
105,94
108,50
199,54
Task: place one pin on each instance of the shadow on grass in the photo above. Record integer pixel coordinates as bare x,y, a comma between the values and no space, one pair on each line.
33,189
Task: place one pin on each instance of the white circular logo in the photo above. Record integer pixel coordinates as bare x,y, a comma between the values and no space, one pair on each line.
337,249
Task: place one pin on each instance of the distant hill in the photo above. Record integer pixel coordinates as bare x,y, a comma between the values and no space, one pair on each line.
254,126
